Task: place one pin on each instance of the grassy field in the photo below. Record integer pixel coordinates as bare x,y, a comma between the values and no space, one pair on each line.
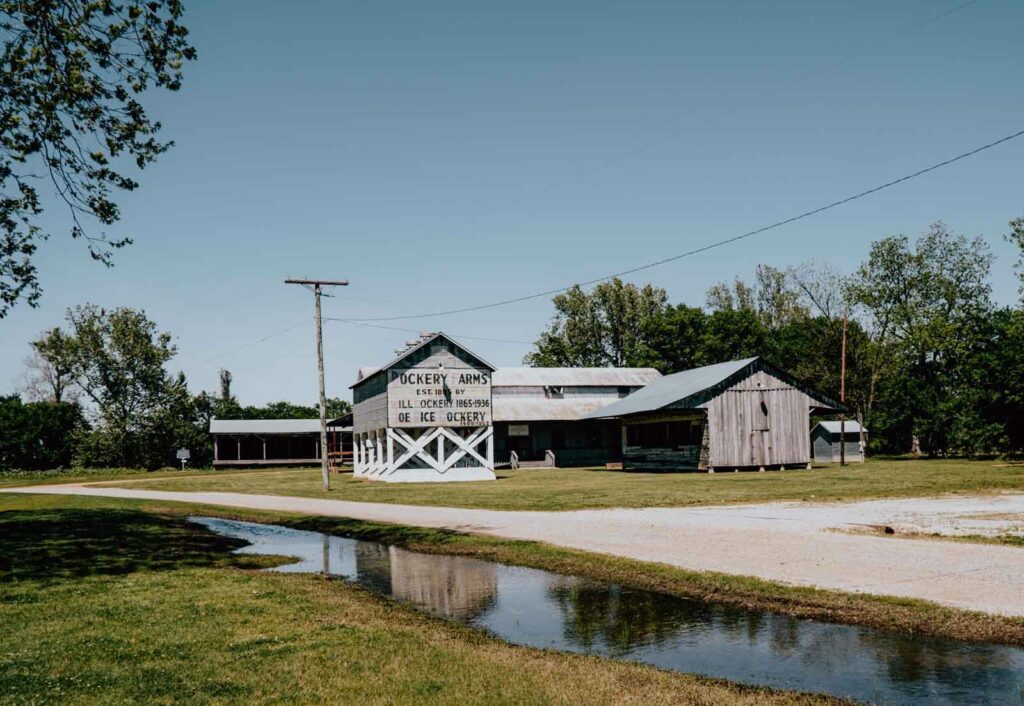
567,489
106,601
91,475
900,615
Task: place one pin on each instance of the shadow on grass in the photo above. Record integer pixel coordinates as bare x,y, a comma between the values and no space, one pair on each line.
57,544
398,535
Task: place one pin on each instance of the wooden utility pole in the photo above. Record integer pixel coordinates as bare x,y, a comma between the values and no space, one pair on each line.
315,286
842,395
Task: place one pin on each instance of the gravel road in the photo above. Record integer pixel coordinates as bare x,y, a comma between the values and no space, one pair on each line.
794,543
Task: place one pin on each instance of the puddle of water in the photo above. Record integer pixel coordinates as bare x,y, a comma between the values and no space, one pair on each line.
542,609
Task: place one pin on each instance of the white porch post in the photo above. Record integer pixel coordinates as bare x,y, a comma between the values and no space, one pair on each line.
380,451
391,450
490,451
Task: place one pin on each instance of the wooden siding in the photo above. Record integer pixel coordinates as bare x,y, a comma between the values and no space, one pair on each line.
638,458
412,404
759,421
370,414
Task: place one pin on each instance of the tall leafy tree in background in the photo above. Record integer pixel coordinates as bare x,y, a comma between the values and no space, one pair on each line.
117,360
49,377
773,296
1016,236
35,435
73,73
604,327
926,306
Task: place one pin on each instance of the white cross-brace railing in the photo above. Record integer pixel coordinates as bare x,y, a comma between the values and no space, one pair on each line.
437,459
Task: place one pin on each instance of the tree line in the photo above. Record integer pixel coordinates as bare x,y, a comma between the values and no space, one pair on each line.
99,393
933,364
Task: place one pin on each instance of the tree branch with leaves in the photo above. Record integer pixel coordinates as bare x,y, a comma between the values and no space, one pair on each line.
73,73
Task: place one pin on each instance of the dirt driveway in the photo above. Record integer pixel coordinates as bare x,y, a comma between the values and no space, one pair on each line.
795,543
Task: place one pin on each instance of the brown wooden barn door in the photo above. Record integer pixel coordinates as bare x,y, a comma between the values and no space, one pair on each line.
760,434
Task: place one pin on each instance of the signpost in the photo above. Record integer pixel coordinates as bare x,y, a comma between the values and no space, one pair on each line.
183,455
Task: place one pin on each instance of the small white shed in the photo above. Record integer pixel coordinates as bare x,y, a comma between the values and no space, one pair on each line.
826,438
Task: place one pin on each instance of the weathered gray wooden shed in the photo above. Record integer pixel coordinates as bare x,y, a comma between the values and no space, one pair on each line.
740,414
826,440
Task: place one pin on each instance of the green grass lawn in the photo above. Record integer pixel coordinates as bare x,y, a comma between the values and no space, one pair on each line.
106,602
90,475
567,489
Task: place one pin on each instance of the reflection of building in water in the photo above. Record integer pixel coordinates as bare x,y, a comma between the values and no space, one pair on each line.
445,586
373,566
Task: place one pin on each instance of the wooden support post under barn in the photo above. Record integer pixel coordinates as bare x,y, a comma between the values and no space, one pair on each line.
741,414
425,416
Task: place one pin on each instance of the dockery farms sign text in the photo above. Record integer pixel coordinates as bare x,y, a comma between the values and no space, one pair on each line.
439,397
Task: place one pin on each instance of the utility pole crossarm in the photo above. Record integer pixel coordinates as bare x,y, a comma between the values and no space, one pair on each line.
317,285
331,282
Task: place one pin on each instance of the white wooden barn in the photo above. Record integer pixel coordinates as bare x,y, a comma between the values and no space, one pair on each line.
425,416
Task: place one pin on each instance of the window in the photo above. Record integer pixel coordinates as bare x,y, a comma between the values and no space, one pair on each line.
623,391
665,435
554,392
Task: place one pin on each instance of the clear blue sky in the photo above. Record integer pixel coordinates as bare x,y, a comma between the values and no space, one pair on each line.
449,153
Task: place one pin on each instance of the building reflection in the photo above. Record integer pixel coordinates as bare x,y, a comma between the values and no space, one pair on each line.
449,587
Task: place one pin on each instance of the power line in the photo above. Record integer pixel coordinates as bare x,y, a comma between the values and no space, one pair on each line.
219,356
610,163
359,324
705,248
676,134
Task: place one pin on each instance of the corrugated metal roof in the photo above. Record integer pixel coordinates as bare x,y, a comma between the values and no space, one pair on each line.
532,409
569,377
832,427
366,371
671,388
267,426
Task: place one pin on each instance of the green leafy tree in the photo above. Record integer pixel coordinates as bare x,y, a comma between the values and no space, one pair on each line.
729,335
73,75
49,377
672,341
337,407
926,306
599,329
1016,236
117,359
37,435
225,406
775,297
